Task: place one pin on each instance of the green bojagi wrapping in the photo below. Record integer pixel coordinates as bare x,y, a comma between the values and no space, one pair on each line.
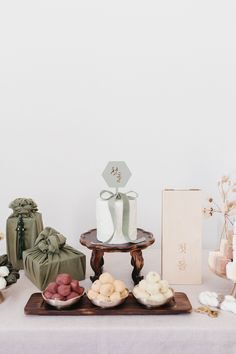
51,256
13,275
23,227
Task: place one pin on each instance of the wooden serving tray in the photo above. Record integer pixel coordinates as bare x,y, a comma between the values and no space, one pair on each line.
37,306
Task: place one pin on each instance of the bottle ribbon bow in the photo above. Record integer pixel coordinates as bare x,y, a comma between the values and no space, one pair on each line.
125,198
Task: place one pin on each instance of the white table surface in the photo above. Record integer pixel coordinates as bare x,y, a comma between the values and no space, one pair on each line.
181,334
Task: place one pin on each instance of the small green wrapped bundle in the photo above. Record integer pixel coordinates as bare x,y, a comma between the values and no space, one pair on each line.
11,275
51,256
23,227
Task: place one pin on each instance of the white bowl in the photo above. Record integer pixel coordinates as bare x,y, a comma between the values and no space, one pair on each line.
152,303
109,304
60,304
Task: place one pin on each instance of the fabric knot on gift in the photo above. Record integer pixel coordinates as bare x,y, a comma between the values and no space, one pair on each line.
23,206
50,241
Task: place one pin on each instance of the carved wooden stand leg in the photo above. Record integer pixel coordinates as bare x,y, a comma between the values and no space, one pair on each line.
96,263
137,262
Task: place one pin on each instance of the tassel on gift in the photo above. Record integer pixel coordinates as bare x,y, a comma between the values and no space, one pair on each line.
20,231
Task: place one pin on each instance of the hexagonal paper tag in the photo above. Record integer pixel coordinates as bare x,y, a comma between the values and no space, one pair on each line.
116,174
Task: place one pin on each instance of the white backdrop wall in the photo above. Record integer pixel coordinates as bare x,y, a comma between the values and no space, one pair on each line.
85,82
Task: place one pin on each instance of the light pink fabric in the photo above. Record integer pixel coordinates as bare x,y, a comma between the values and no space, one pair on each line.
180,334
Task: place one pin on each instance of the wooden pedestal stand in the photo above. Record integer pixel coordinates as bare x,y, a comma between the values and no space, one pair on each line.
89,240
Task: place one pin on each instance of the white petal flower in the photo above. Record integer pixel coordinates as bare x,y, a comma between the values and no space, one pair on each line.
3,283
208,298
4,271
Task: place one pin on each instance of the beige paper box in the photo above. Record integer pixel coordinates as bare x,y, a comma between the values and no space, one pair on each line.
182,236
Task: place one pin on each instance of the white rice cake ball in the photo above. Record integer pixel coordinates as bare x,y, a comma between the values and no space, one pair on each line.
106,278
153,288
115,296
124,293
119,286
103,298
140,293
164,286
107,289
168,294
158,297
92,294
153,277
142,284
96,286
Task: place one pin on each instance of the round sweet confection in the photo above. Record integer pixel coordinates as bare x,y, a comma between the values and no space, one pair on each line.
72,295
140,293
106,289
3,283
153,277
142,284
153,288
102,298
75,286
115,296
92,294
119,286
80,290
96,285
52,288
124,293
4,271
106,278
64,290
47,294
157,297
63,279
164,286
57,297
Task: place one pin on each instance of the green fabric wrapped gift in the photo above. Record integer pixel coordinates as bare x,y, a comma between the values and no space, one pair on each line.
23,227
51,256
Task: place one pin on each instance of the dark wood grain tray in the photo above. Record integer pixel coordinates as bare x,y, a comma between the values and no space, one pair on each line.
37,306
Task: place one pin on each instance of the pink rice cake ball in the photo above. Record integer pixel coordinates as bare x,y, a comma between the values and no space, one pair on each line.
81,290
47,294
72,295
58,297
52,287
75,286
63,279
64,290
